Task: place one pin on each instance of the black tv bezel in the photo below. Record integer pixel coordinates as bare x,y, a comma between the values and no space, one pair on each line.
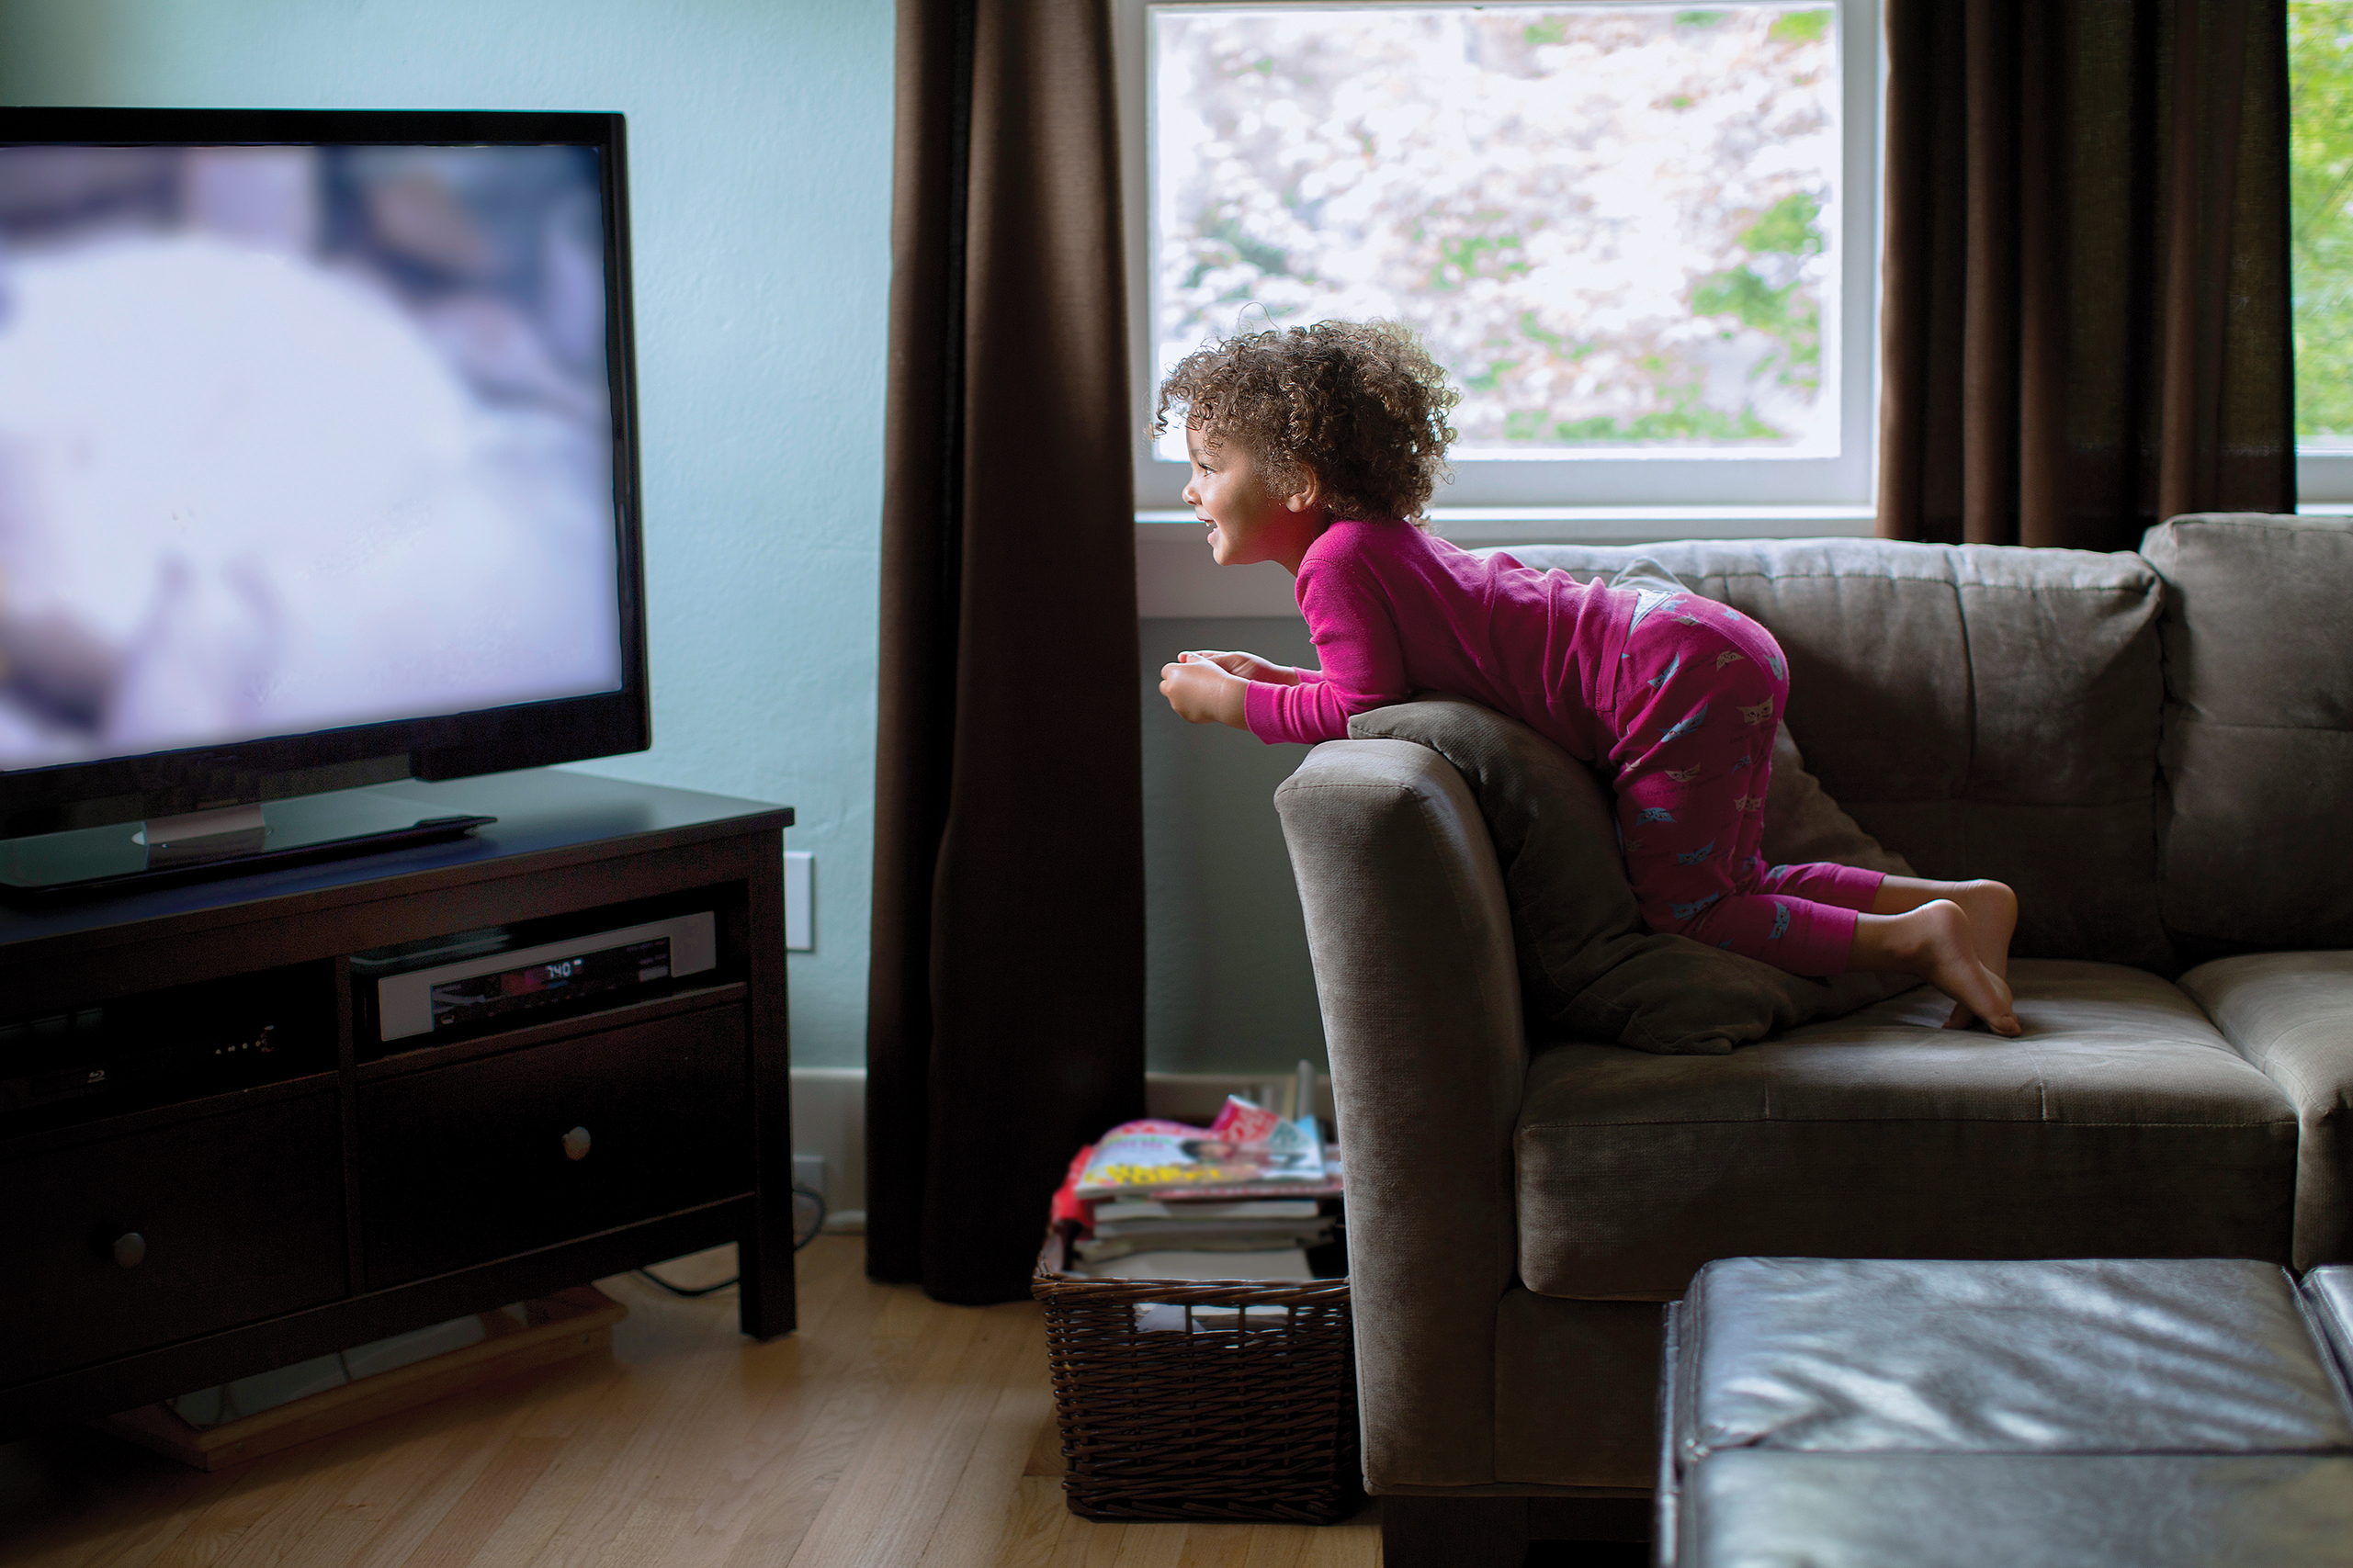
486,740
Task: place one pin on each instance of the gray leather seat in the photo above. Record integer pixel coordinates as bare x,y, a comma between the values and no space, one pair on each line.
2140,1412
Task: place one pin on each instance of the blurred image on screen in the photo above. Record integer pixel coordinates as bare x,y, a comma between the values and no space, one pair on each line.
293,438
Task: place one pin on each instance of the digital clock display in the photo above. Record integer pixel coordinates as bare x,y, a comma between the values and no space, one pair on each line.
584,974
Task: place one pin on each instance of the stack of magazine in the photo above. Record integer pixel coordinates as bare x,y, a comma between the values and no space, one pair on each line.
1254,1195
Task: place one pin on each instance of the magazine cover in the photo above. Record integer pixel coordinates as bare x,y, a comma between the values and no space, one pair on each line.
1151,1158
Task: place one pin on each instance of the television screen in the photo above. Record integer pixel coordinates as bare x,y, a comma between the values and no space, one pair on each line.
296,437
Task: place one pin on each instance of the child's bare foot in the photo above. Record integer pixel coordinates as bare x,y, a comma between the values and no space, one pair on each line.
1992,909
1947,956
1935,943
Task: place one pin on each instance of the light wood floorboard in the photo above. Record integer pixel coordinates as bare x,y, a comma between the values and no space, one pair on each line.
890,1432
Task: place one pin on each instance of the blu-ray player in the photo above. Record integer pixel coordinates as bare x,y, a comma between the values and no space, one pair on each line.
481,976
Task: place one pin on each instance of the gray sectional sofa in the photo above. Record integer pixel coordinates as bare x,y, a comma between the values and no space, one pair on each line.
2156,749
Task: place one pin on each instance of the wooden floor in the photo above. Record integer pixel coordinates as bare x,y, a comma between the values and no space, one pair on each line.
890,1431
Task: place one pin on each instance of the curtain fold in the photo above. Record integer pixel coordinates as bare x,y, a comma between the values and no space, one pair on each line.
1006,1018
2085,293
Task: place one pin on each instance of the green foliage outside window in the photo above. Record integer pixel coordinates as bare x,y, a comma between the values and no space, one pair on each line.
1614,225
2320,205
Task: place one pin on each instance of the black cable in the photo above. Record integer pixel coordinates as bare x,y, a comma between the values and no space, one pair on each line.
691,1292
817,1224
651,1277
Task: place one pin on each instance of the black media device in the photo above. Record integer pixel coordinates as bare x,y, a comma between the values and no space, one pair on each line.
132,1051
423,992
457,987
319,467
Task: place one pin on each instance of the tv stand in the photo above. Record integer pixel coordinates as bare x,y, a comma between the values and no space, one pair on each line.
255,1176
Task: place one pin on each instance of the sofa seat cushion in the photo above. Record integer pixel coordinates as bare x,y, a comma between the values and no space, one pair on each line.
2291,1015
2122,1124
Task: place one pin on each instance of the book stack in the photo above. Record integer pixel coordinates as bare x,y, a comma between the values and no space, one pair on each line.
1125,1226
1249,1196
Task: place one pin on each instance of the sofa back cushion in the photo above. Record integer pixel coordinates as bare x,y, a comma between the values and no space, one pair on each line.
1982,712
2258,730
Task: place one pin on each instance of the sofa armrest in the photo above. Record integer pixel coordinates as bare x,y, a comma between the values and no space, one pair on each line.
2291,1015
1411,941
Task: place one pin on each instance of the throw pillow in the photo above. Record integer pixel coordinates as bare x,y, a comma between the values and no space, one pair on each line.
1588,968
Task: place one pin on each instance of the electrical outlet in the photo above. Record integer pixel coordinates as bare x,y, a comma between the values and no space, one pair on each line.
799,878
808,1170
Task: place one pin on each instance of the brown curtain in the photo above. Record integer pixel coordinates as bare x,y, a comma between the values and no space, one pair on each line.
1006,1000
2085,323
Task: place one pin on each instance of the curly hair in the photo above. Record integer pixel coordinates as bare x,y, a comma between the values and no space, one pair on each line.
1361,404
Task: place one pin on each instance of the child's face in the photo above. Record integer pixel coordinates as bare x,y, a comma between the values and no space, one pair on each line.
1248,520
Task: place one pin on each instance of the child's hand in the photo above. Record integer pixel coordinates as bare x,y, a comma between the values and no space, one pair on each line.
1205,693
1249,666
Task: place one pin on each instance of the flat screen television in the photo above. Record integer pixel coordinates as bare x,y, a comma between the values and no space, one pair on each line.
318,470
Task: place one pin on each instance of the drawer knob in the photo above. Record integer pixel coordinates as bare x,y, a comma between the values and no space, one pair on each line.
576,1144
130,1249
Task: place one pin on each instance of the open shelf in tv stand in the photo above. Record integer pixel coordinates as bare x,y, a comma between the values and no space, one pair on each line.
367,1198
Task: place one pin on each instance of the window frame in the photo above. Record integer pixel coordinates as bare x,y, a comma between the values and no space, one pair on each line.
2323,481
1574,496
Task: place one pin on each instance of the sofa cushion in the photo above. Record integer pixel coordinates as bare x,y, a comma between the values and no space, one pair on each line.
2120,1125
2258,730
1981,711
2291,1015
1588,968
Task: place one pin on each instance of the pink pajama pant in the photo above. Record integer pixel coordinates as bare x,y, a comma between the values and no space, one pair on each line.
1700,688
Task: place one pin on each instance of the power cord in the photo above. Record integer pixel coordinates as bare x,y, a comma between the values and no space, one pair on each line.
691,1292
650,1277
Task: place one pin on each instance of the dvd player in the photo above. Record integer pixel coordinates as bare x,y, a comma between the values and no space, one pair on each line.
181,1042
456,993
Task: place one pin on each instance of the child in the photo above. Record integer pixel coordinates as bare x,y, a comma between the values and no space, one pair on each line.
1313,446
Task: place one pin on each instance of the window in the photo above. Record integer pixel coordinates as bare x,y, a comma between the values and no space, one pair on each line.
2320,203
1642,238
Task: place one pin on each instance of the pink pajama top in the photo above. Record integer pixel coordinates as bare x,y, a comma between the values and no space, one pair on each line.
1393,611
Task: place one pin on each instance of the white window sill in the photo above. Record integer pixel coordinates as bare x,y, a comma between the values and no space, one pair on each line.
1175,577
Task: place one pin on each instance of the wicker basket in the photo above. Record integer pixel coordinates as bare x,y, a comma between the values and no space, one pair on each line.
1205,1423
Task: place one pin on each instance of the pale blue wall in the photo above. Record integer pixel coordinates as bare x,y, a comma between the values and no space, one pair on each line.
760,174
1228,984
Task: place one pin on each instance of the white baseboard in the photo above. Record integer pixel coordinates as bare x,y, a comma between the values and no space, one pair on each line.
829,1119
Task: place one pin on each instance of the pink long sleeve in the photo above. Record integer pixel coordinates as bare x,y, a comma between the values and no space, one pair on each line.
1356,642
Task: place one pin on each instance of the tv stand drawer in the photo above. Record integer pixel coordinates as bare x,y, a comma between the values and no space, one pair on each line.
126,1243
489,1157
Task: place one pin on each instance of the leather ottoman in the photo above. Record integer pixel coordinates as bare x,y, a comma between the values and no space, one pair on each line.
2148,1413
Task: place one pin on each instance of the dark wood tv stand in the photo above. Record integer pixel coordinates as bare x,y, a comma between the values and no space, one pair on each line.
261,1179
